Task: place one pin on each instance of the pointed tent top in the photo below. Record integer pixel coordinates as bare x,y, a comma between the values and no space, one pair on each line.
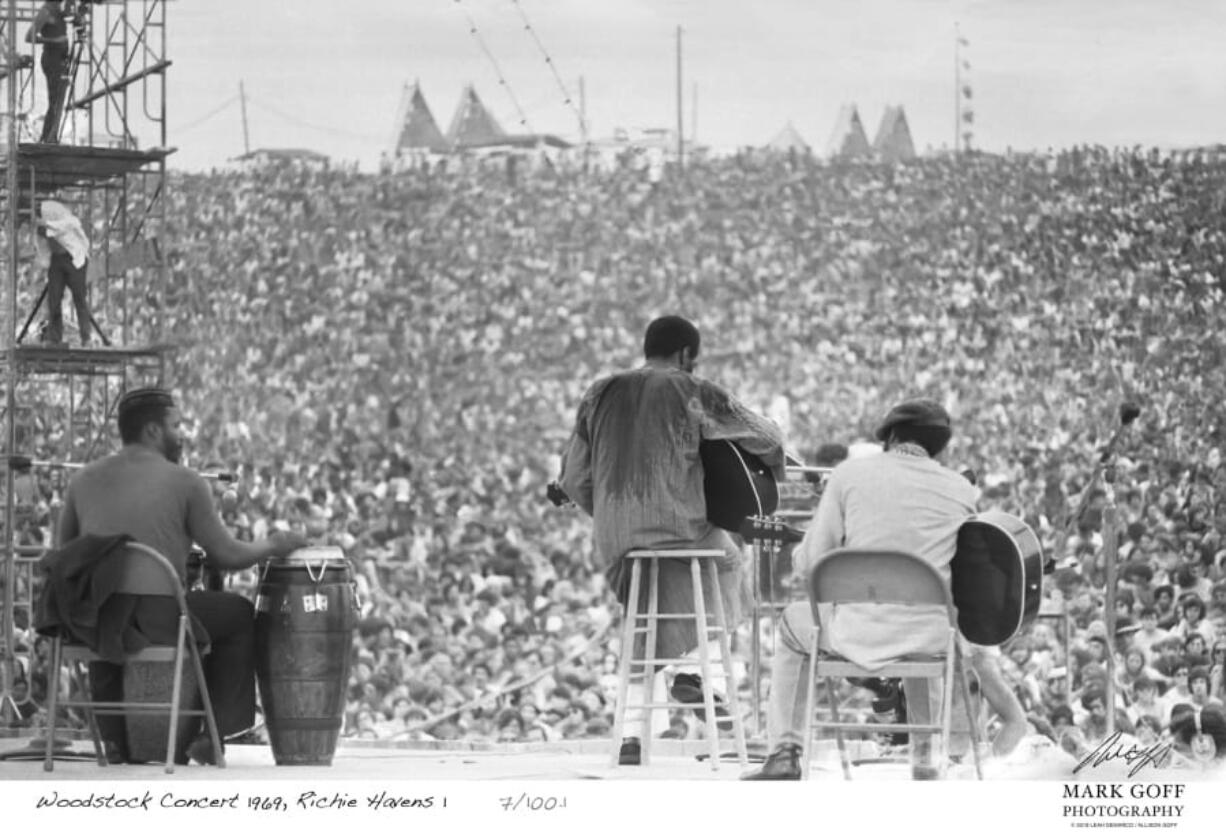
849,140
893,142
472,124
417,130
787,139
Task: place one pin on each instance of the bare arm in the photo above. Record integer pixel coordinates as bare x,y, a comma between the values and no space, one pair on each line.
224,551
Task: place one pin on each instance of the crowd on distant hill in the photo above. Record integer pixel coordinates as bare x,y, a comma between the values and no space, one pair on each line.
397,357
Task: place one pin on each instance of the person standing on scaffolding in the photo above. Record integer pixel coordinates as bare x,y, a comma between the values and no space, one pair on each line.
50,28
63,249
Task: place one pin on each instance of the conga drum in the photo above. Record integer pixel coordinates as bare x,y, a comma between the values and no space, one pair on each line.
304,621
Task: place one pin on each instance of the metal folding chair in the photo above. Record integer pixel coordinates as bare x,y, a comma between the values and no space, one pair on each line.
847,576
162,581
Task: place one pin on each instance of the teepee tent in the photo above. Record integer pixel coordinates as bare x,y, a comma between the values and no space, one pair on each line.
848,140
416,129
893,142
789,139
472,124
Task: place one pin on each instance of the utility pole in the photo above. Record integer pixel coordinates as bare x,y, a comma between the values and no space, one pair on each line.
680,112
242,95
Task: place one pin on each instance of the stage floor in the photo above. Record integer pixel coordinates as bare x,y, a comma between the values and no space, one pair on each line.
560,761
417,762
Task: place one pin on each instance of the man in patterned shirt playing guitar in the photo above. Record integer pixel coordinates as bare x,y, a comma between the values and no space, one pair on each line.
633,463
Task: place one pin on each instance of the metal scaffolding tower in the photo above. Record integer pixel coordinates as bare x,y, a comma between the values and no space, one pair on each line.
98,147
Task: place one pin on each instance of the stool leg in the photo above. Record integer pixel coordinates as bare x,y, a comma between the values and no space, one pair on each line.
725,652
629,615
52,699
702,631
649,656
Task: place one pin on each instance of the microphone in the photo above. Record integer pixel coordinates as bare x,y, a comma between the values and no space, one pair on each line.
24,463
1129,411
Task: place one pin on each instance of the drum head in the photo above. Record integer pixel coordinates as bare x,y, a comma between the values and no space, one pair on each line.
312,556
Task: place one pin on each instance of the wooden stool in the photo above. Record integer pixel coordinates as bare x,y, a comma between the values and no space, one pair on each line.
640,622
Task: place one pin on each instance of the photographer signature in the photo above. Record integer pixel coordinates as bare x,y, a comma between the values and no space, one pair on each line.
1158,755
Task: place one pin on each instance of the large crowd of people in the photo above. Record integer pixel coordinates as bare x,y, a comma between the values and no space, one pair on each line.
393,361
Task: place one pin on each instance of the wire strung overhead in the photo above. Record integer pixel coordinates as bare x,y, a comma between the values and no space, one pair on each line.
566,97
472,30
295,120
202,119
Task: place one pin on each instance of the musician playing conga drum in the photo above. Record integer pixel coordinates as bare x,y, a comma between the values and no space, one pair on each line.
633,464
144,492
903,499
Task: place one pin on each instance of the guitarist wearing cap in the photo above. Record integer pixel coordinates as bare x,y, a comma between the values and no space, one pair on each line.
904,500
633,464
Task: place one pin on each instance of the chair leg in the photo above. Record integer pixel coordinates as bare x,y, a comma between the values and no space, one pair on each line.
176,692
947,703
630,616
810,706
725,651
701,630
838,733
210,718
971,717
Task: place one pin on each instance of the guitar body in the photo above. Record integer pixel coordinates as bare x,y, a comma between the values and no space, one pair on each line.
997,577
737,484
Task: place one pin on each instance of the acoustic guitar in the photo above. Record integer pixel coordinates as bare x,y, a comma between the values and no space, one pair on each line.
997,577
737,485
997,572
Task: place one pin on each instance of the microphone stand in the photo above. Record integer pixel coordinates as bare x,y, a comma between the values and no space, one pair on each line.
1110,547
1128,413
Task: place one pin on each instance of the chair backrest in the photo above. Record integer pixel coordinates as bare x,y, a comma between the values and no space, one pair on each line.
146,572
878,576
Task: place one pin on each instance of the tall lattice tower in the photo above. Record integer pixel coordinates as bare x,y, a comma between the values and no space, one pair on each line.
87,130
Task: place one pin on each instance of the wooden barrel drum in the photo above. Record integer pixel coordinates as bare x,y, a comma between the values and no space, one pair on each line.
304,622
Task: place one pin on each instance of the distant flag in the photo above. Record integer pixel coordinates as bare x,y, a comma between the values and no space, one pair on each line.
966,91
968,116
966,65
963,41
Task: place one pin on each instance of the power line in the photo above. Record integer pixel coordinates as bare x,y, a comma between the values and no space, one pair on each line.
472,30
197,122
552,68
310,125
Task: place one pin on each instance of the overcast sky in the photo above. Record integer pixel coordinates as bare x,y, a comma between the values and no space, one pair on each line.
329,75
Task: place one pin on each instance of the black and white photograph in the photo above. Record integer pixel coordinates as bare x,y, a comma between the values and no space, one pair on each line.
561,414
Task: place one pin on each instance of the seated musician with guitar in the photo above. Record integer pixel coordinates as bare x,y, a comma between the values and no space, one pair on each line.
633,463
900,500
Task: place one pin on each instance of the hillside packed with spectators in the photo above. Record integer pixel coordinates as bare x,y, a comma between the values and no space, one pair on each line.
392,360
